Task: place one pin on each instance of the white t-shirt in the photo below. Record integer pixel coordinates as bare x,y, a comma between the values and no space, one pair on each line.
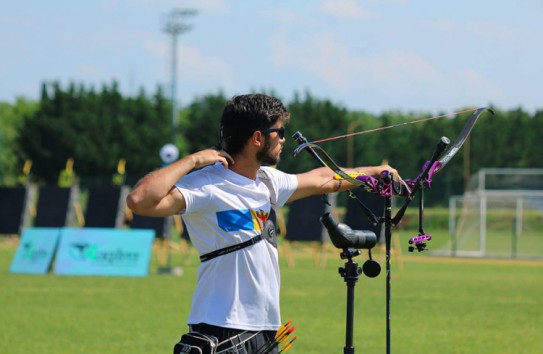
239,289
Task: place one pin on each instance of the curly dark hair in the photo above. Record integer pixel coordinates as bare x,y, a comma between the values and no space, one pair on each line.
245,114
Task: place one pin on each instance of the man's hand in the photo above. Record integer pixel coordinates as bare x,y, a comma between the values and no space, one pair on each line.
211,156
376,171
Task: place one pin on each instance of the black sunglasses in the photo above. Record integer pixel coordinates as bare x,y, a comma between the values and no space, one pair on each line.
280,132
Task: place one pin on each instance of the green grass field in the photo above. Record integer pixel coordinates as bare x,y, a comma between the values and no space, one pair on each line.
439,305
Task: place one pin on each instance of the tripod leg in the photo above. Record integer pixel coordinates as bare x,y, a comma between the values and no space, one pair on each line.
350,274
349,346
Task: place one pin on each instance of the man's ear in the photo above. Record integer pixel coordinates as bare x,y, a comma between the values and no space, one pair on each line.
257,139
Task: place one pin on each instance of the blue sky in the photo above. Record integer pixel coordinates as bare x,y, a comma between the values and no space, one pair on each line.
374,55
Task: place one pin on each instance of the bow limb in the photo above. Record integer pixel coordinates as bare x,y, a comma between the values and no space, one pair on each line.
439,160
448,154
369,183
455,147
327,161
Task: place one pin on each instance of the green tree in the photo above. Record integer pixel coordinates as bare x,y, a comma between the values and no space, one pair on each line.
315,119
534,142
96,130
201,128
11,118
146,127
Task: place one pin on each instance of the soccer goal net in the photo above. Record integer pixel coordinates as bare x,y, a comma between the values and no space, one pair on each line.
500,216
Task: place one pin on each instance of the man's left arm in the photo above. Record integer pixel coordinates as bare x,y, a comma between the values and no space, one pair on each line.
321,180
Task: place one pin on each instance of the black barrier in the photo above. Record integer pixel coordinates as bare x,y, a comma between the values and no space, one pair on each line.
160,225
12,209
55,206
106,207
184,232
303,219
357,220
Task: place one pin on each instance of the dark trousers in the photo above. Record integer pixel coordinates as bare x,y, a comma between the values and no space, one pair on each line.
252,346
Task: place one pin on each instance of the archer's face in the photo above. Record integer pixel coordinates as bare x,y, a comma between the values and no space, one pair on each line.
271,152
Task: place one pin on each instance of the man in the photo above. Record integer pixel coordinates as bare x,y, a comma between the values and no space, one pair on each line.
226,195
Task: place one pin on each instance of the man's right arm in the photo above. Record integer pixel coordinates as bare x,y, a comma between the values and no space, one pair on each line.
156,194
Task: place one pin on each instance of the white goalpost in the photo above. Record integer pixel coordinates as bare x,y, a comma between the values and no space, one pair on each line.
500,216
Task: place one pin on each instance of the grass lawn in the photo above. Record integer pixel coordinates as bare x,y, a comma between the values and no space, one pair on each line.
439,305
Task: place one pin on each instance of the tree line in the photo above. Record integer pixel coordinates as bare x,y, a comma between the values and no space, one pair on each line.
98,128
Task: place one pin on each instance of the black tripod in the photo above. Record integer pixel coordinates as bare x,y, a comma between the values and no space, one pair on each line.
342,236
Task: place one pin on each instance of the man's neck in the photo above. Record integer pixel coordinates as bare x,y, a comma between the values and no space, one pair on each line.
245,166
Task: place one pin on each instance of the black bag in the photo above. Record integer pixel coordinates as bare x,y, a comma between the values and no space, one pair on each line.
196,343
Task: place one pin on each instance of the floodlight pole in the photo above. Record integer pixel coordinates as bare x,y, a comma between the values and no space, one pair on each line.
174,26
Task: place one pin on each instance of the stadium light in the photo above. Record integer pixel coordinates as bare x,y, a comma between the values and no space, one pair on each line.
174,26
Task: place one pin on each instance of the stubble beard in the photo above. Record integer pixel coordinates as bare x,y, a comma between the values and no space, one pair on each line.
266,158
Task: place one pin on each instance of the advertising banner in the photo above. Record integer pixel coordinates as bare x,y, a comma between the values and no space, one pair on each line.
104,251
36,250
